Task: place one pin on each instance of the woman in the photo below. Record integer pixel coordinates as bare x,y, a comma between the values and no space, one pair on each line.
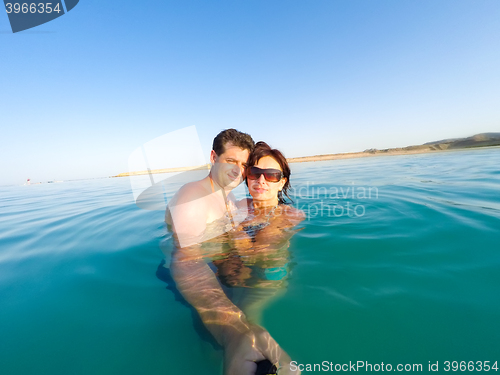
260,243
268,181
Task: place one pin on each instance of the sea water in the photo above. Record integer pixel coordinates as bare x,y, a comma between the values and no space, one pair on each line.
398,263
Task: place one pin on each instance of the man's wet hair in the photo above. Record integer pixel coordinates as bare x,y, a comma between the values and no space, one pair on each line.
237,138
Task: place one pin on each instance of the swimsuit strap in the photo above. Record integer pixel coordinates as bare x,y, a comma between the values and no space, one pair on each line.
211,184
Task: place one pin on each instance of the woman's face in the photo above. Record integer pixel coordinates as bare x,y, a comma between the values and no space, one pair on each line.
262,190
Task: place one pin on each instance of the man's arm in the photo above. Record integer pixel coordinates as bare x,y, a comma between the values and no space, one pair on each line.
243,343
188,213
200,287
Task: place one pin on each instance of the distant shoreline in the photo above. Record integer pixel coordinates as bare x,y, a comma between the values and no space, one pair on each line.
388,152
478,141
165,170
410,150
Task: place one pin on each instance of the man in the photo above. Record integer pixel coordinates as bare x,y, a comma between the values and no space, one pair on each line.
202,210
200,203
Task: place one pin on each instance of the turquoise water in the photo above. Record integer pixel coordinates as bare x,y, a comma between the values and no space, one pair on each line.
411,276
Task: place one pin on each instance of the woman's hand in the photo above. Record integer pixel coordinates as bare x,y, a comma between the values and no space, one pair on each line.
243,350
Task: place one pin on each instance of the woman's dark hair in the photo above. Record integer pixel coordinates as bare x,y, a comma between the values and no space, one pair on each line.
261,150
233,136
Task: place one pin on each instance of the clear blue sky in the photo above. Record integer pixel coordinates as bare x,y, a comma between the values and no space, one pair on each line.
79,94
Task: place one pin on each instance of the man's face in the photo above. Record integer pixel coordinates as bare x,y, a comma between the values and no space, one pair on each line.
229,168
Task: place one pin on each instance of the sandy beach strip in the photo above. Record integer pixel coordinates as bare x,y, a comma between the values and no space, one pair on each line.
410,150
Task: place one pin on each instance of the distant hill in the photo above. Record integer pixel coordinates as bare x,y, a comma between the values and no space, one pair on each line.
478,140
443,141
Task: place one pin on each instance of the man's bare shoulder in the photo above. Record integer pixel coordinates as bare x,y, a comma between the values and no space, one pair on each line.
187,212
190,192
188,203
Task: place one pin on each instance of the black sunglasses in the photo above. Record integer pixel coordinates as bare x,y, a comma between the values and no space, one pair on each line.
271,175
